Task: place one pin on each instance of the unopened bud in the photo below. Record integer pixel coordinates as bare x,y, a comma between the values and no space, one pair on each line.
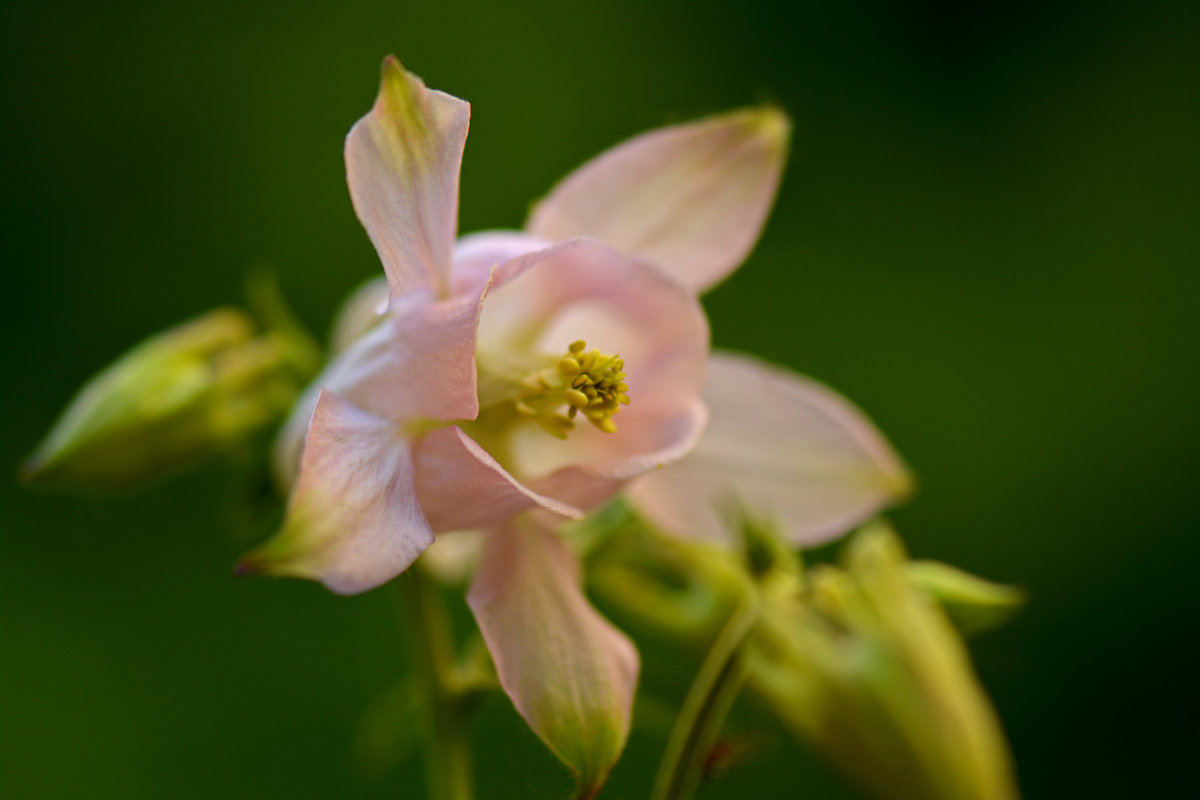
880,683
196,389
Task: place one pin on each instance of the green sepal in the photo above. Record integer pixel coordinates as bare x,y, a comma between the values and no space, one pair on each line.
974,604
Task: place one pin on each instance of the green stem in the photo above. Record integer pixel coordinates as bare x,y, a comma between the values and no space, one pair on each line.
448,748
705,708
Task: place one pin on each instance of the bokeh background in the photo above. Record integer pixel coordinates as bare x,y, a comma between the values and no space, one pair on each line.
987,237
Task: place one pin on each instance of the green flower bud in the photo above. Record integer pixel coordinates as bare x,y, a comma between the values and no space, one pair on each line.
197,389
868,670
859,660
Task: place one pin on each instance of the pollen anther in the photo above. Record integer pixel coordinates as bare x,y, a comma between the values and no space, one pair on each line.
583,381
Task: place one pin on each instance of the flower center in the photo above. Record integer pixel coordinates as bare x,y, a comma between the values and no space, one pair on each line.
582,381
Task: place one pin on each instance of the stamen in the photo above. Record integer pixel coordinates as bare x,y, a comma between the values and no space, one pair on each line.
583,381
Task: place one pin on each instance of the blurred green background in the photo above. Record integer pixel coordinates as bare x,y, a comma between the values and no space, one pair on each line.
987,237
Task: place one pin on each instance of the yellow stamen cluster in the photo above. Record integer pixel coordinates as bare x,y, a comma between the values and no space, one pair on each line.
585,382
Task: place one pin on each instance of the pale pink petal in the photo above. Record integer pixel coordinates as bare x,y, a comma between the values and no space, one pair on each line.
461,486
417,363
779,444
577,486
692,198
353,521
568,671
597,464
584,289
475,254
402,164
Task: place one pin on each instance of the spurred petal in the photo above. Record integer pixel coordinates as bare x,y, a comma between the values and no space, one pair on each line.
402,164
461,486
783,445
418,362
568,671
353,521
692,198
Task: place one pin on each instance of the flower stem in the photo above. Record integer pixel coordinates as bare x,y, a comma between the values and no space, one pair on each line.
448,746
705,708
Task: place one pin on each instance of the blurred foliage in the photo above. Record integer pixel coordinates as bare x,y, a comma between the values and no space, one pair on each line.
986,238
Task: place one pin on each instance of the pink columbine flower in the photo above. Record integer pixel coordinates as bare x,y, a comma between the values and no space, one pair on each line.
509,372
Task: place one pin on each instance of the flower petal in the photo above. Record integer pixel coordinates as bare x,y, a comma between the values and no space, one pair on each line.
402,164
461,486
692,198
583,289
476,253
418,362
782,444
598,464
353,521
568,671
